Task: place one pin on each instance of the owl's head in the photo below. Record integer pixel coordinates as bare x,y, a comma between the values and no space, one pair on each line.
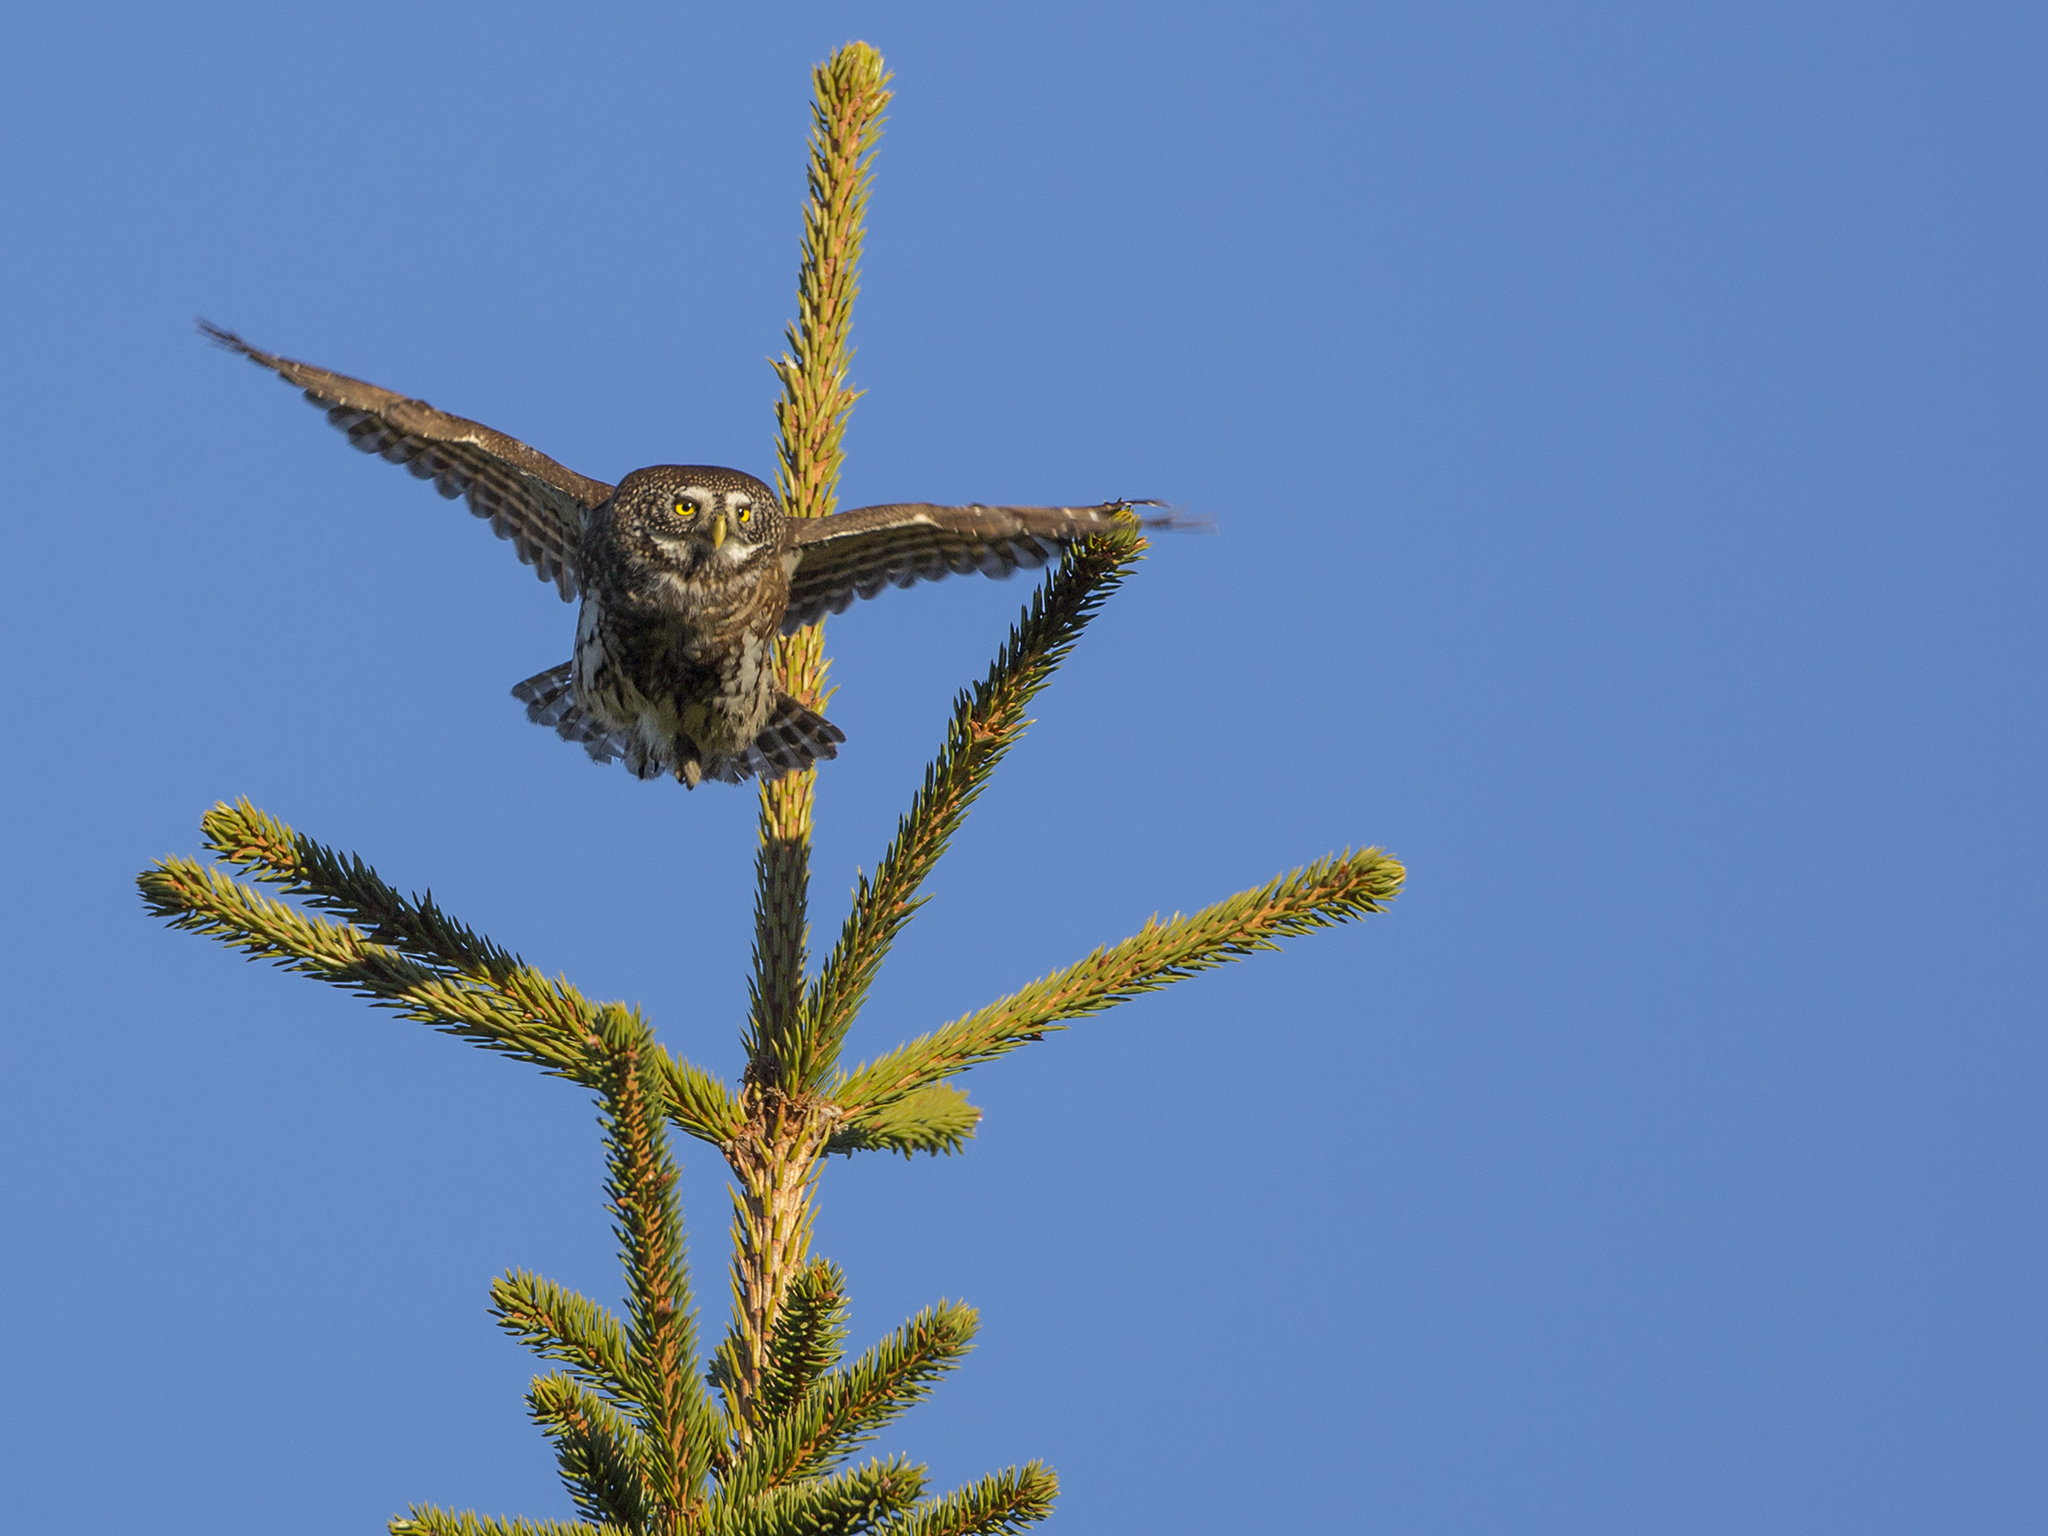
697,519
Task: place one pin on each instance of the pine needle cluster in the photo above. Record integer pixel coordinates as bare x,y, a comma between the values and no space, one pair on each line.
652,1436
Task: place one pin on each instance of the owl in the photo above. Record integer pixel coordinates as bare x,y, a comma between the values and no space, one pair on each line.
687,574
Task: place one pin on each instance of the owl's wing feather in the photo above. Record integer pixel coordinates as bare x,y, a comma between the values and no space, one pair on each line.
856,554
525,495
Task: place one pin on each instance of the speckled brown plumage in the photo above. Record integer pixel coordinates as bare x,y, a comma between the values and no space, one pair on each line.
686,574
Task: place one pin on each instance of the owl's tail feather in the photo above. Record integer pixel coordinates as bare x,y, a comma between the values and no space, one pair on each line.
550,700
793,739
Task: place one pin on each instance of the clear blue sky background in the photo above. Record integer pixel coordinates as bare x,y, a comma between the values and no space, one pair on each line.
1625,429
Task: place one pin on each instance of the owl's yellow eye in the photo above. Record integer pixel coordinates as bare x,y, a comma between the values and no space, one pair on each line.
685,509
746,514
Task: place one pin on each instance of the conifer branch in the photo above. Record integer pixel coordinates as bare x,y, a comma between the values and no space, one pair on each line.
414,959
843,1409
850,92
775,1160
809,1337
1327,892
427,1520
987,722
558,1324
775,1154
258,844
935,1118
546,1023
999,1503
602,1458
665,1389
782,873
699,1103
852,1501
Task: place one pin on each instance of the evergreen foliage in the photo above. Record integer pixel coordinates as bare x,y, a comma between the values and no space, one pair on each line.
651,1438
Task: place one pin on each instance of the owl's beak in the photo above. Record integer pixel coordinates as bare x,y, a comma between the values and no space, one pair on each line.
718,530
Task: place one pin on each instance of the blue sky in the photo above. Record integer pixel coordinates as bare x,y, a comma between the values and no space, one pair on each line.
1624,430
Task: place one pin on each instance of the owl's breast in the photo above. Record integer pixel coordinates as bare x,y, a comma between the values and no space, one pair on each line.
659,675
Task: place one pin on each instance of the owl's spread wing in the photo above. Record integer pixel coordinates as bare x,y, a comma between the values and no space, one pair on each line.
527,497
856,554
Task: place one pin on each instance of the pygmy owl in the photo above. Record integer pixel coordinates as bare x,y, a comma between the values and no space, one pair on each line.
687,574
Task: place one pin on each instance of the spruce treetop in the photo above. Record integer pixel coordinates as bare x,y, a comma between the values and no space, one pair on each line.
654,1434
